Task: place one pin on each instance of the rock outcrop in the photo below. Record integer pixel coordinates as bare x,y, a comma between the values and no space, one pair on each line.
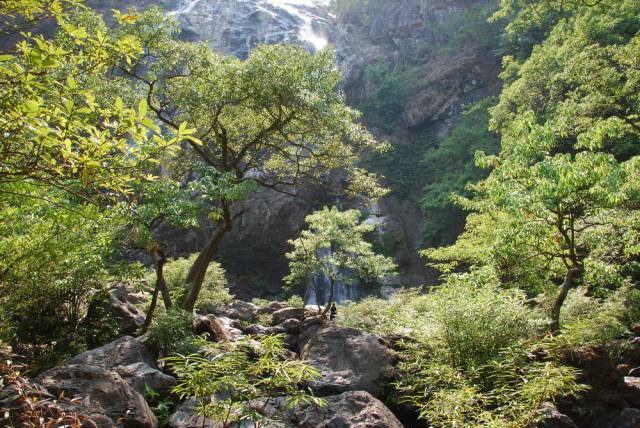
131,360
349,359
349,409
102,395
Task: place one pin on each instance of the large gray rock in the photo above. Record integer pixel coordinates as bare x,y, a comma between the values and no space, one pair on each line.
284,314
350,409
185,417
102,395
241,310
349,359
123,300
129,358
628,418
552,418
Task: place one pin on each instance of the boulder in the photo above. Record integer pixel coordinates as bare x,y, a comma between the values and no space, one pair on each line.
241,310
214,327
284,314
349,409
291,326
122,303
132,360
628,418
103,396
635,372
185,417
552,418
349,359
272,307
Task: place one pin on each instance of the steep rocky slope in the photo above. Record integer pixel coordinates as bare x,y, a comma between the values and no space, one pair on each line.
440,56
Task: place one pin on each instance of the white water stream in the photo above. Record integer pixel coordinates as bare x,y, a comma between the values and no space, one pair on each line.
301,10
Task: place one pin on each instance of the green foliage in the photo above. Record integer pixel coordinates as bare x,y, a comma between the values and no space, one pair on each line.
400,166
592,321
214,287
55,128
160,408
449,167
52,262
508,391
233,381
295,301
472,25
388,89
563,190
172,332
334,246
469,360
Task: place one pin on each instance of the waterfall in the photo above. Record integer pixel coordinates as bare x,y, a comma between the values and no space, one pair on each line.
299,11
319,287
187,7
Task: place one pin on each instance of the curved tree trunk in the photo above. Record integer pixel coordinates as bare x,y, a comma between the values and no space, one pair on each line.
198,270
159,260
332,283
569,281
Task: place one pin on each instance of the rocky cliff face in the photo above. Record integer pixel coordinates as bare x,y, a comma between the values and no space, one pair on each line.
441,65
433,39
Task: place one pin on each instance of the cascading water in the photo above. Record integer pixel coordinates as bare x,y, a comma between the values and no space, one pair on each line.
299,17
319,287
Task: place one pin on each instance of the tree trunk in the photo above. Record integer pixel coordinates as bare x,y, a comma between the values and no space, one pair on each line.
569,281
330,299
159,260
198,270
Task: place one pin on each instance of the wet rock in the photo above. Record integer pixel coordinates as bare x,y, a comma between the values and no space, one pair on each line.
132,360
349,359
104,396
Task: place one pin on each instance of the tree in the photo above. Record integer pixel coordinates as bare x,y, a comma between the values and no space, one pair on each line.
350,257
178,201
276,119
563,193
57,127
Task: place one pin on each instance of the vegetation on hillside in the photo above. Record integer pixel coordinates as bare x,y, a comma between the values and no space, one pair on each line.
109,135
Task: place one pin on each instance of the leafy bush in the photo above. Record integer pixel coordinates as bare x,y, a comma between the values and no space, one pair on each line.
295,301
592,321
214,287
476,319
172,332
243,376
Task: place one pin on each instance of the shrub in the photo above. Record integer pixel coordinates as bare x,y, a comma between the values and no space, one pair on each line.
592,321
295,301
507,392
243,376
476,319
172,332
214,287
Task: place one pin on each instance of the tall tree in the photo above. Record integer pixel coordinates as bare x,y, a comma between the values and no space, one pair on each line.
564,190
334,246
276,119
